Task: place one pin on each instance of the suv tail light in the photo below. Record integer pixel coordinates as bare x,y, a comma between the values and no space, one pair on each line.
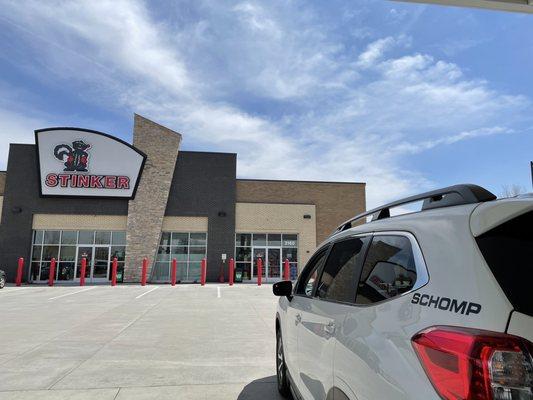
472,364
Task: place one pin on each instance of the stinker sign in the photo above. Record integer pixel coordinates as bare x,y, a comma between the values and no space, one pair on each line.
81,162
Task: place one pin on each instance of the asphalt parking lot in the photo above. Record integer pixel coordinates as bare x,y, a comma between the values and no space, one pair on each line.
133,342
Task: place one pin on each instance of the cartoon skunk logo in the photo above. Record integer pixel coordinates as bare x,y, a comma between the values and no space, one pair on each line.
75,158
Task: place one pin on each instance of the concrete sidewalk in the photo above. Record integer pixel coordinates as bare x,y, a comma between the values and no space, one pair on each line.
133,342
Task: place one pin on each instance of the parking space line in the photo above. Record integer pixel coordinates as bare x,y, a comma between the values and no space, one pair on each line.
11,290
219,294
69,294
17,291
142,294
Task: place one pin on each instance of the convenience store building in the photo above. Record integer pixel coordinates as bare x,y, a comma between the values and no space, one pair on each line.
80,193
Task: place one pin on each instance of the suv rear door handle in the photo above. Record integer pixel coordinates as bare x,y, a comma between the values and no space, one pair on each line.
298,319
330,328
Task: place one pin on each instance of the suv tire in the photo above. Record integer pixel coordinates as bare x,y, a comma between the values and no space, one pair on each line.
281,368
2,281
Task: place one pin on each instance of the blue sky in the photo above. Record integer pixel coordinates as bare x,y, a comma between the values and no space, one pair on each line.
405,97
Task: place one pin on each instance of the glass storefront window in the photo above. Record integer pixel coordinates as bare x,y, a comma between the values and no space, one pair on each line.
35,267
163,253
102,237
196,253
119,252
36,253
65,271
276,246
38,237
45,271
290,240
246,269
65,245
274,239
180,253
259,239
193,272
67,253
165,239
86,237
198,239
243,254
188,248
50,252
180,239
51,237
160,271
243,239
291,254
69,237
118,238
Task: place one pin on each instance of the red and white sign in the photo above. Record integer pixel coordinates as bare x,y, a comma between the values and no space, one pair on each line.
81,162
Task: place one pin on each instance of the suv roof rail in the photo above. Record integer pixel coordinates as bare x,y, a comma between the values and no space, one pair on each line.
445,197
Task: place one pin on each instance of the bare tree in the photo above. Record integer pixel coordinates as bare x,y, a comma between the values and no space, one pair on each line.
512,190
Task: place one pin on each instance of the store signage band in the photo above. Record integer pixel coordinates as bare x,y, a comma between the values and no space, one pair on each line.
81,162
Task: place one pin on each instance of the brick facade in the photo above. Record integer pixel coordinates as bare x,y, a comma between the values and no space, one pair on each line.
189,191
335,202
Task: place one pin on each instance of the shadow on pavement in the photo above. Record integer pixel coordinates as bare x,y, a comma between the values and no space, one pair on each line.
264,389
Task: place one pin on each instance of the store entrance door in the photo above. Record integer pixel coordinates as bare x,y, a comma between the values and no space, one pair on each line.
100,270
271,263
274,265
97,263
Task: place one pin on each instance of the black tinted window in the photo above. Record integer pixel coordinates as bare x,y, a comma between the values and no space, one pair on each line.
338,281
309,278
508,250
389,269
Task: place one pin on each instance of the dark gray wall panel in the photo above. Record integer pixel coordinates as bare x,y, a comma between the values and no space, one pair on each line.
204,184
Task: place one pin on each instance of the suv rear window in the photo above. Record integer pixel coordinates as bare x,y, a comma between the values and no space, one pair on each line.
508,251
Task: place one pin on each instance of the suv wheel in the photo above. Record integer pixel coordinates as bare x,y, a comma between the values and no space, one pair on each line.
281,368
2,281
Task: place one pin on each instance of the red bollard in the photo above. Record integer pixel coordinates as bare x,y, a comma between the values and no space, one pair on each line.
83,271
203,271
18,279
231,270
52,272
173,272
286,270
144,270
259,271
114,272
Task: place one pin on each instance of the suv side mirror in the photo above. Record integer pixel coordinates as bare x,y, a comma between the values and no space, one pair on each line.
282,288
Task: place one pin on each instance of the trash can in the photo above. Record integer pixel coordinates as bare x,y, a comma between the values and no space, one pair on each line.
238,274
120,274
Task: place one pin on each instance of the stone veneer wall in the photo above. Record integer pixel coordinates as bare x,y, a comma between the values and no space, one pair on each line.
146,211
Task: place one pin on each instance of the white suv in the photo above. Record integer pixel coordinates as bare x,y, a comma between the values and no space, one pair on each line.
436,304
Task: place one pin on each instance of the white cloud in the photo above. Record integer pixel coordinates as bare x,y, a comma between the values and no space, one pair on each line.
326,111
375,51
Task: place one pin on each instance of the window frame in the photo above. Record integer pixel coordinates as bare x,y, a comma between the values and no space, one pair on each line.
364,252
422,274
322,250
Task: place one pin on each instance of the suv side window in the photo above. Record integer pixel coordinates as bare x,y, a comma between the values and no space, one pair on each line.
309,277
339,279
389,269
